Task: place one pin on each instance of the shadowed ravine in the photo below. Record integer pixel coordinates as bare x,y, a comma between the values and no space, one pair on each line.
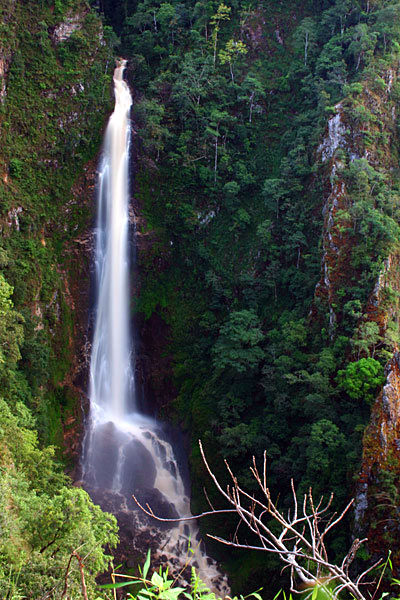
125,452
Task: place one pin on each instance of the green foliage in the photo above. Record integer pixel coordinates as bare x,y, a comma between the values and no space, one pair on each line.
233,50
361,379
11,330
305,37
238,344
366,338
51,88
161,587
230,188
42,519
325,448
56,96
227,181
16,168
222,14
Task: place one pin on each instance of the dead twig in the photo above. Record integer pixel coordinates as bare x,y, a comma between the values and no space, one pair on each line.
300,541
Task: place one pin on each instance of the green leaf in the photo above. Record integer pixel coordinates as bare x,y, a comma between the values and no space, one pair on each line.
171,594
157,580
115,586
256,595
314,593
146,565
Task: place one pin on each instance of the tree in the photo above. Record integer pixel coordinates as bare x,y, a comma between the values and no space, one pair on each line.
222,14
150,115
305,36
363,43
366,338
335,17
11,328
326,447
274,191
193,85
70,520
215,120
387,24
251,90
238,345
43,522
167,18
233,49
361,379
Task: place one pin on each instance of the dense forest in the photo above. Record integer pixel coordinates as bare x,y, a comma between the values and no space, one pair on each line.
266,193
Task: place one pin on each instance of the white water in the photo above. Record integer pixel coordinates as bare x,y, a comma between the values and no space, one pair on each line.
111,376
124,451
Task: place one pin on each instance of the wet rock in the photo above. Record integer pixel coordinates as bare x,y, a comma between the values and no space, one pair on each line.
335,136
138,471
13,217
64,30
103,464
159,505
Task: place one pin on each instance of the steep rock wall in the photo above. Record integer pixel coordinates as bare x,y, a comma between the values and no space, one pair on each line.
364,127
376,511
55,94
56,72
75,271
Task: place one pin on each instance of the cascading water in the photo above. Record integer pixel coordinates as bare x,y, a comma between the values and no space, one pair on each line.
124,451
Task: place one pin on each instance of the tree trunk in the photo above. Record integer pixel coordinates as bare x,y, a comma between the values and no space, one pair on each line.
306,49
216,158
251,105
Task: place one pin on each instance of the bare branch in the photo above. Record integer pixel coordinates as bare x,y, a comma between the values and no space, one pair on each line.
148,511
299,541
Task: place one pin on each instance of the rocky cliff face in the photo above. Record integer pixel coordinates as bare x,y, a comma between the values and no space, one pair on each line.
376,509
55,69
75,271
363,128
377,497
353,133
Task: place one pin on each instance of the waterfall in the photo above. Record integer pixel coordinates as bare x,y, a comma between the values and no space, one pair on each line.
125,452
111,376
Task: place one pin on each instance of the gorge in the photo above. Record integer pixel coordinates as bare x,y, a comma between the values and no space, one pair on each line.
246,275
